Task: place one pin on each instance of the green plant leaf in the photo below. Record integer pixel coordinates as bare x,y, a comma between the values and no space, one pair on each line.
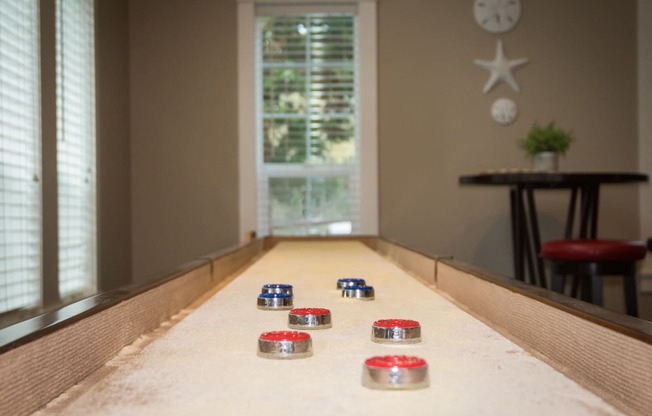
547,138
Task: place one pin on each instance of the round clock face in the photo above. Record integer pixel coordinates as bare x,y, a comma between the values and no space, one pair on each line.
497,16
504,111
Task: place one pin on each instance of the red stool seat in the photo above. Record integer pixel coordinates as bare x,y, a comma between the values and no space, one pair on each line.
588,260
593,250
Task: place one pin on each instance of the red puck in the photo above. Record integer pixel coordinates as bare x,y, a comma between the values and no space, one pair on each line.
284,345
284,336
396,323
396,331
309,318
395,372
399,361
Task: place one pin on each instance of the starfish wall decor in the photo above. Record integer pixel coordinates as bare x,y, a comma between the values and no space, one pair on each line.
500,69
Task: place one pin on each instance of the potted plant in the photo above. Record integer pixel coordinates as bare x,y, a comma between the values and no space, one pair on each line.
544,144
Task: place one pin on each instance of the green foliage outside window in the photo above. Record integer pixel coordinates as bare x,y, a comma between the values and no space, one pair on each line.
308,105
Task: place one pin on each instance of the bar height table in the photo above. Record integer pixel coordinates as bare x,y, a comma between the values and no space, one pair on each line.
526,239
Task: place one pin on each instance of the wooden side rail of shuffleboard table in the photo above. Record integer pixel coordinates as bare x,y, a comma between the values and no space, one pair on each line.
608,353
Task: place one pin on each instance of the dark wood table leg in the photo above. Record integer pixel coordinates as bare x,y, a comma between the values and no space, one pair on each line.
590,195
595,204
570,216
516,206
529,257
537,272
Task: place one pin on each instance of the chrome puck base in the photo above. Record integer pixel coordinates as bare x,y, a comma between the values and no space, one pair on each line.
277,288
284,345
274,301
350,282
396,331
395,372
359,292
309,318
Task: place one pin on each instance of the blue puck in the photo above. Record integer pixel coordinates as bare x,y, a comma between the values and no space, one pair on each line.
350,282
274,301
277,288
359,292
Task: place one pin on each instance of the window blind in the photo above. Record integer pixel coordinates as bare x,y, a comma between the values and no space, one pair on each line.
20,192
76,146
308,164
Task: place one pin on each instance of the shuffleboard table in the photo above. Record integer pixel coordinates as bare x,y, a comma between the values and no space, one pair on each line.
187,344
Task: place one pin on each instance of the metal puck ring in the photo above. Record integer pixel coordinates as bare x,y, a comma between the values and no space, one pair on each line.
309,318
284,345
395,372
277,288
274,301
396,331
359,292
350,282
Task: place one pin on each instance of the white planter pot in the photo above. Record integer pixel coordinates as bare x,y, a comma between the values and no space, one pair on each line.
545,162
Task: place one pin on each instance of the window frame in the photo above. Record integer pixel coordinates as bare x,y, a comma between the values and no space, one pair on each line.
50,278
247,146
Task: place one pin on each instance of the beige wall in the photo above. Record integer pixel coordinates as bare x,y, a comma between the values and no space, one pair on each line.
434,122
183,130
645,122
114,188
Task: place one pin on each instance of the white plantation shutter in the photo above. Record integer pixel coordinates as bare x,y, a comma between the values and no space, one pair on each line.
76,146
307,122
20,156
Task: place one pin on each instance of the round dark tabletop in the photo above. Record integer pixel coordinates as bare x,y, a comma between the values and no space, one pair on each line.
551,179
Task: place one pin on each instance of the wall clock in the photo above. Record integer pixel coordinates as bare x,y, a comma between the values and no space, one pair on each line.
504,111
497,16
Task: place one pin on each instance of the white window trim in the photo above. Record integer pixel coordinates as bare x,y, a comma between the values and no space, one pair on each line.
368,128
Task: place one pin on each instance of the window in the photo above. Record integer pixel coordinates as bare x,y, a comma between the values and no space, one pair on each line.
308,151
307,118
20,156
22,150
76,147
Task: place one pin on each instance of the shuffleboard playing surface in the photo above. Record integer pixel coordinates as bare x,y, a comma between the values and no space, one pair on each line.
204,361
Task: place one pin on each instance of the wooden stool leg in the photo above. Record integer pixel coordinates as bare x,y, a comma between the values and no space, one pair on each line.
596,289
575,286
586,289
629,284
557,282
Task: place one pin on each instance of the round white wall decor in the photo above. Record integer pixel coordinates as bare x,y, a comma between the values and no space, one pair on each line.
504,111
497,16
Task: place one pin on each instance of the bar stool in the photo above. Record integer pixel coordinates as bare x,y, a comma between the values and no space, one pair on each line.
588,260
